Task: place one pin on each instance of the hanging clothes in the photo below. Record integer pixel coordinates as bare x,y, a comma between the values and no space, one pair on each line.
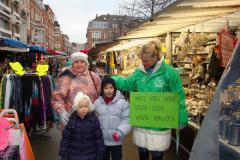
30,96
108,66
3,90
112,62
7,94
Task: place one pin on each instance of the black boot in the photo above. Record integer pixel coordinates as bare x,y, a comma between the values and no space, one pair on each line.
143,155
157,158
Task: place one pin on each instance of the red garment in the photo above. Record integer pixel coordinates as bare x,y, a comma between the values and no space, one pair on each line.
227,43
108,99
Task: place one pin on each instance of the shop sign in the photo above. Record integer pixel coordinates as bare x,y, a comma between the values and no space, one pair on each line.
17,68
154,109
42,69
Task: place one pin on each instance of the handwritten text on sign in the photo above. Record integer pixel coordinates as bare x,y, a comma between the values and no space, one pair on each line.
154,109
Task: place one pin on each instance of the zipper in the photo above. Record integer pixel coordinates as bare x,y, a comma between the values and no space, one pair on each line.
106,120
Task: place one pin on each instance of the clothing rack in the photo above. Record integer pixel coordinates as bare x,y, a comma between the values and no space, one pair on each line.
30,95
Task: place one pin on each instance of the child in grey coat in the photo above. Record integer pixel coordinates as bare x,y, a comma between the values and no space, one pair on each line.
113,114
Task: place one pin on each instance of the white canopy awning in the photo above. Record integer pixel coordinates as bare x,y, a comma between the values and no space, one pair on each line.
197,15
126,44
14,49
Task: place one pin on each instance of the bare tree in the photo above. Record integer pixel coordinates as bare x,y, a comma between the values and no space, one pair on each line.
144,8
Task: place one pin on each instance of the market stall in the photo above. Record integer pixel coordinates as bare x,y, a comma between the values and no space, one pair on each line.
23,88
123,58
205,30
11,50
7,44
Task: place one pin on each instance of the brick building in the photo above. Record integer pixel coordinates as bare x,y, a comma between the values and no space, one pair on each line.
105,28
10,19
65,44
25,19
49,27
57,36
36,34
32,22
76,47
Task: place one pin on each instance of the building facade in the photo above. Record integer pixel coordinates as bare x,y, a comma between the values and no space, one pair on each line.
105,28
49,27
10,19
65,44
25,19
76,47
57,36
32,22
36,34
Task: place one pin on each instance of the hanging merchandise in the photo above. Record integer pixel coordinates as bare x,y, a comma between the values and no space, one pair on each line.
42,58
30,95
3,133
107,66
18,146
222,122
112,62
227,43
36,59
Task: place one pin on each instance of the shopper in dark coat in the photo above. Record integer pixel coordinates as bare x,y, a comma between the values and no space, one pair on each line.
82,137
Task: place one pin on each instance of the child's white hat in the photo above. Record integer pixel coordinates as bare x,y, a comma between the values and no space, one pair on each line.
79,97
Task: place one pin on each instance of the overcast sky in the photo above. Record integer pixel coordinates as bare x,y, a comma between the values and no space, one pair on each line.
74,15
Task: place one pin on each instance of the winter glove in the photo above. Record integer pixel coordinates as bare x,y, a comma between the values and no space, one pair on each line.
116,136
64,115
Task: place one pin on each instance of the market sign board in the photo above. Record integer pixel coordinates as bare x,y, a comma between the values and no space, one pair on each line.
42,69
154,109
17,68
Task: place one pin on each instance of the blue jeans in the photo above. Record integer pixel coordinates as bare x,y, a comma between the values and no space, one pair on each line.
144,154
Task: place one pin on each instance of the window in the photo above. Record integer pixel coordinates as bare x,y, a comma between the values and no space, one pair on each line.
4,2
4,24
96,24
96,34
115,25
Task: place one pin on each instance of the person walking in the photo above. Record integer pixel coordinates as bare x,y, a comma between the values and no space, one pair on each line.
113,113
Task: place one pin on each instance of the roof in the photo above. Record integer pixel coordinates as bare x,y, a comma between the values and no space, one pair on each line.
114,18
198,15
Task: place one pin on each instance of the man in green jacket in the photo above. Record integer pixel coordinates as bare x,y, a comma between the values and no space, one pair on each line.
154,76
